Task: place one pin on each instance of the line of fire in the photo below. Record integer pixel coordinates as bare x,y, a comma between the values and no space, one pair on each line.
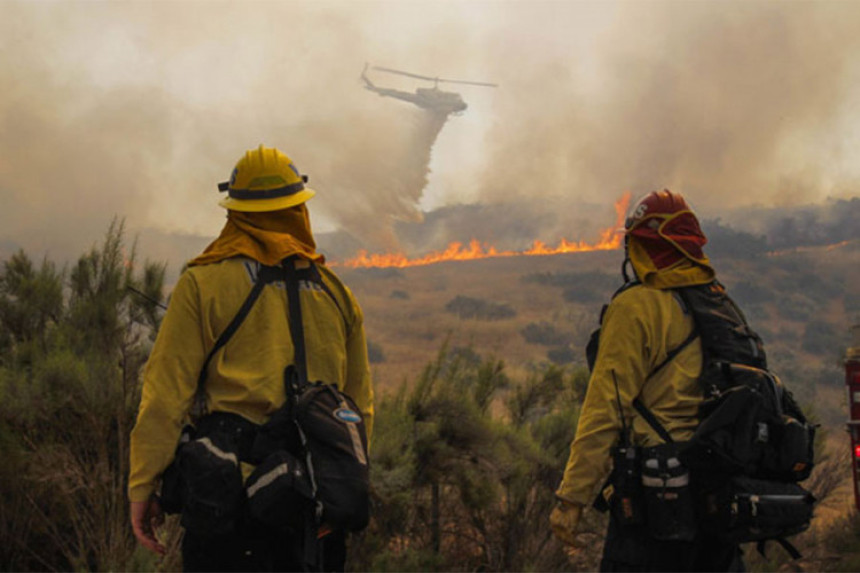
610,238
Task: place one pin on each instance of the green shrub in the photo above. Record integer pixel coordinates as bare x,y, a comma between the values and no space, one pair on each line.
545,334
375,355
479,309
561,355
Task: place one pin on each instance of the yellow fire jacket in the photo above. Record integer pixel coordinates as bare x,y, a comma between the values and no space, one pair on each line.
641,326
246,376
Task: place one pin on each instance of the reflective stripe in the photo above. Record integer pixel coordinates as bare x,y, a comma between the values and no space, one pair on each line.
679,481
218,452
268,478
357,446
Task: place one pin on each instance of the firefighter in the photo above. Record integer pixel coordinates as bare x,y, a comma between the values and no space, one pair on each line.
267,222
644,328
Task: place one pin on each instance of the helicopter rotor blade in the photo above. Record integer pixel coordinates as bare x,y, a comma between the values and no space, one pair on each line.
390,71
489,85
428,78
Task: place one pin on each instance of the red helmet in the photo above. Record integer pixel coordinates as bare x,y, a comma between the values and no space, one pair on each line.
667,228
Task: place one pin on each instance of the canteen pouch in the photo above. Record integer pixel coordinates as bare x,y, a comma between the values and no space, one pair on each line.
279,491
667,494
746,509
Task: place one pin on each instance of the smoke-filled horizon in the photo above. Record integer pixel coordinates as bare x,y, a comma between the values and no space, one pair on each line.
137,110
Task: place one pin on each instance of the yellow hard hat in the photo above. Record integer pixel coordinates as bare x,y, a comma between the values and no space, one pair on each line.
265,179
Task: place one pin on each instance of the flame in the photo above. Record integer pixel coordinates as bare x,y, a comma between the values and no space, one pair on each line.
610,239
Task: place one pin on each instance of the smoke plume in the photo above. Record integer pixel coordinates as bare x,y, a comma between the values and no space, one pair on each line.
138,109
731,103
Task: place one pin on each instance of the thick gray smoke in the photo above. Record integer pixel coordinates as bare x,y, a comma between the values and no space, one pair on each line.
139,109
731,103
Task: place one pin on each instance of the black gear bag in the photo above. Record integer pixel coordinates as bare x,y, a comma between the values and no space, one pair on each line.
311,456
753,444
322,429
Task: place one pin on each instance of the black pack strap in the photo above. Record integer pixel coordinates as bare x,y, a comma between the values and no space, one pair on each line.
641,408
295,315
652,421
784,543
198,406
296,378
315,276
674,352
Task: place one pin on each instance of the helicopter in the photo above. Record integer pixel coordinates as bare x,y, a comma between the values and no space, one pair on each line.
432,99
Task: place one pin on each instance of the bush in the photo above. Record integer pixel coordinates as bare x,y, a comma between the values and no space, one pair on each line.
69,386
748,293
561,355
464,465
374,353
399,295
819,337
479,309
796,307
726,242
544,333
585,287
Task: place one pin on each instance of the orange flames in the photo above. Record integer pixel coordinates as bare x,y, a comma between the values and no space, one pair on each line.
456,251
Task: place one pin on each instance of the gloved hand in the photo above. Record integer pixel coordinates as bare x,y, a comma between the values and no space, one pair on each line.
563,521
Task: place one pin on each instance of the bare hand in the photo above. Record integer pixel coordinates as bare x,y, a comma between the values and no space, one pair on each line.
146,516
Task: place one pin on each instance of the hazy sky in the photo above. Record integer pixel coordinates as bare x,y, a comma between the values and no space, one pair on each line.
138,109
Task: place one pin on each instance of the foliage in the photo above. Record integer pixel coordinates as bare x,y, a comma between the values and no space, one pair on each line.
724,241
464,465
479,309
544,333
73,346
375,355
583,287
819,337
561,355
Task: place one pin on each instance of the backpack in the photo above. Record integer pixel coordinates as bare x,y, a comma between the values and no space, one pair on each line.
311,456
312,451
753,443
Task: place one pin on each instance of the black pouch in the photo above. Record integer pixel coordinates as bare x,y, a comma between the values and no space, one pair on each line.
336,443
730,438
170,496
668,496
280,432
746,509
279,491
623,494
791,457
212,491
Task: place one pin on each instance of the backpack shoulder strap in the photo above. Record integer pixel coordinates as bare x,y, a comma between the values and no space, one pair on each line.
637,403
297,332
264,277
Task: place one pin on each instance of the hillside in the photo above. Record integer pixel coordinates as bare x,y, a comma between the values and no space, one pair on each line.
538,309
529,311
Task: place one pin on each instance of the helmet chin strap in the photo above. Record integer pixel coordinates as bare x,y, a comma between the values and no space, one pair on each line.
626,262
